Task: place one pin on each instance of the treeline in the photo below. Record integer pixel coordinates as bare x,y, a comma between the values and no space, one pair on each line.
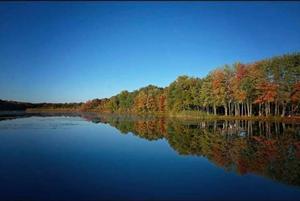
263,88
15,105
269,87
59,106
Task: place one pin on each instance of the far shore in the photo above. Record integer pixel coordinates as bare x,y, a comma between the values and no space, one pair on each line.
186,116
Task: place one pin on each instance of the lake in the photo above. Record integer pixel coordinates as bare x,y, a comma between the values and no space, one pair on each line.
106,157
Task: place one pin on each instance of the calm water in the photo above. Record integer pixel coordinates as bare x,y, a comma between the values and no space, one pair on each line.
90,157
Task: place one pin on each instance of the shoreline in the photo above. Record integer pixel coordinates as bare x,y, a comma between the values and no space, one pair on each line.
286,119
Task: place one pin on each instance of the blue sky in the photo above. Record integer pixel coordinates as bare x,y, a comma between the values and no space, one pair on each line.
70,52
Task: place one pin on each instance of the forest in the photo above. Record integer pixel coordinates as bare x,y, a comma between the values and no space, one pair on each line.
270,87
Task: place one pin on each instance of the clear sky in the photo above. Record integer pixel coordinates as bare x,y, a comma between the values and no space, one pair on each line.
70,52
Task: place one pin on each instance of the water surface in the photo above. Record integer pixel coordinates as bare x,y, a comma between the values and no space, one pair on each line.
89,157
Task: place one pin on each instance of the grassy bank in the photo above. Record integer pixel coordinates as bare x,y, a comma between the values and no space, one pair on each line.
181,115
287,119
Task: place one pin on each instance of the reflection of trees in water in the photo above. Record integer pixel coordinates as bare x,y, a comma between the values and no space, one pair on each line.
271,149
266,148
274,155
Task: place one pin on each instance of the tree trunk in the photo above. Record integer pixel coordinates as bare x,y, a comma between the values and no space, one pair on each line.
283,110
215,109
249,108
268,108
242,109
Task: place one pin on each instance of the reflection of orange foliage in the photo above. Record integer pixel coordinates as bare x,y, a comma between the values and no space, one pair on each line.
274,156
266,150
297,146
218,155
149,129
141,126
270,149
162,127
242,166
256,154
